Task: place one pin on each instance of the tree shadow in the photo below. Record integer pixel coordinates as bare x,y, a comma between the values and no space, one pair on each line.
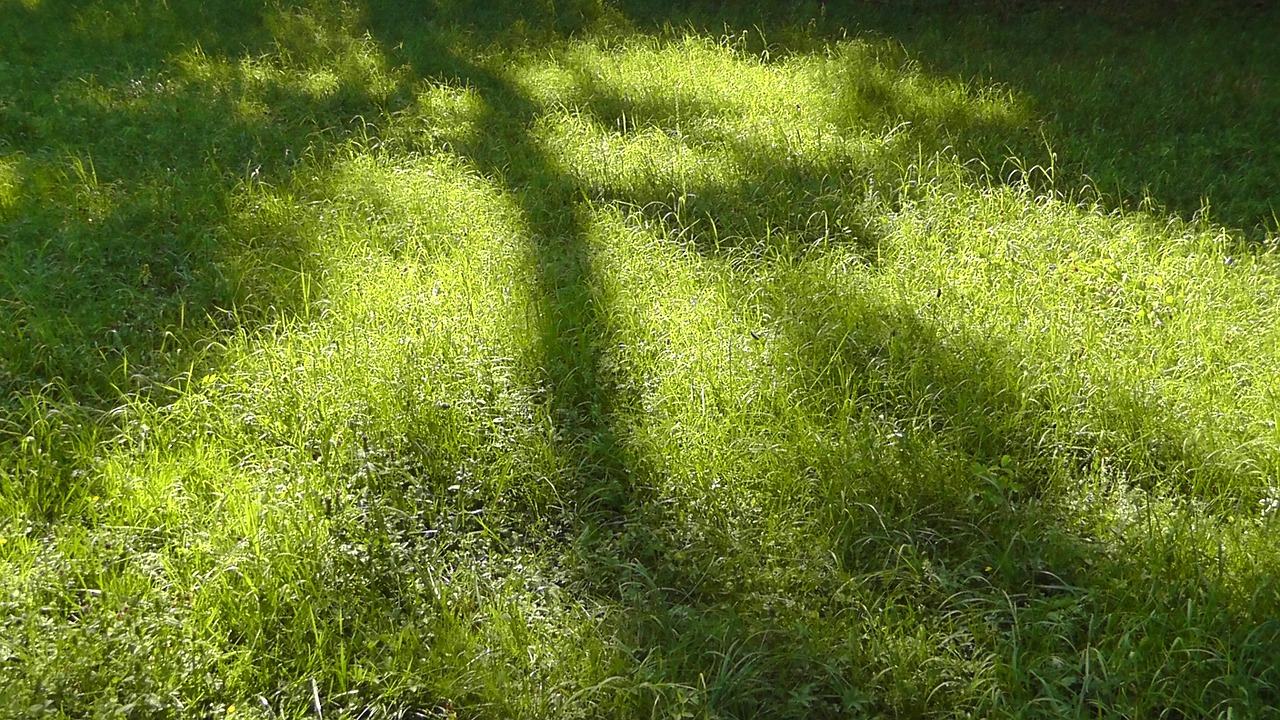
139,148
841,180
550,204
950,520
930,483
1135,100
958,516
943,482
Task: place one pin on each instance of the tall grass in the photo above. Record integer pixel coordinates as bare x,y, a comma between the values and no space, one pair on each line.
591,360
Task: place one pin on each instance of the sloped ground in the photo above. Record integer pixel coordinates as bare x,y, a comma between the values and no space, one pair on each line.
597,360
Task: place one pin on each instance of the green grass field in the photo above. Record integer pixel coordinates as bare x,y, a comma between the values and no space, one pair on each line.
596,358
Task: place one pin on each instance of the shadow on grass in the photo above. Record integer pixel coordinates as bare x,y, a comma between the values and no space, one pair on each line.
550,205
952,527
870,138
925,536
944,488
1145,104
830,200
136,142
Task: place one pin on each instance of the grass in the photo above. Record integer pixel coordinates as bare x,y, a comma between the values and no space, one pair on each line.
607,359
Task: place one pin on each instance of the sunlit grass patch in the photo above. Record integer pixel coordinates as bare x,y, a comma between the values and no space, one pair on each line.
10,182
1079,291
466,366
245,482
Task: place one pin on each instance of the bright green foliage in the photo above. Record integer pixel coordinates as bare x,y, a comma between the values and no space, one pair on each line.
578,359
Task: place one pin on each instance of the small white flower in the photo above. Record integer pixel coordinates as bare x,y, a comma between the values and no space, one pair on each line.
1270,501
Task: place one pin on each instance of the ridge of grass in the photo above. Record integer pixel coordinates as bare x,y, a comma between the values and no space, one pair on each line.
592,360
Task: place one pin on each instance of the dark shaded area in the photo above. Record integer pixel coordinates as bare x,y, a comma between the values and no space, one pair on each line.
956,521
692,610
835,201
1172,102
115,277
968,527
132,243
976,478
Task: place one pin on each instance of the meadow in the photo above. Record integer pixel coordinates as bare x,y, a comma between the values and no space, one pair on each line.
616,358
